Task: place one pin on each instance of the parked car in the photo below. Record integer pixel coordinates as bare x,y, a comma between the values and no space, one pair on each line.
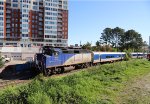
5,59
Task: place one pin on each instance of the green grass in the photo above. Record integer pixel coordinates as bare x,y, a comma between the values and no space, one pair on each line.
96,85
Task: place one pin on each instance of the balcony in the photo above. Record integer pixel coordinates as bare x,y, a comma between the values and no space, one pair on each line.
40,19
59,16
8,31
7,26
8,1
59,34
59,29
60,6
8,11
59,20
59,25
8,6
8,16
40,29
40,33
59,11
41,10
8,21
41,15
41,24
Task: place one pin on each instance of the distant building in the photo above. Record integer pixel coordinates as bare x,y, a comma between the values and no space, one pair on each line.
33,22
145,48
19,53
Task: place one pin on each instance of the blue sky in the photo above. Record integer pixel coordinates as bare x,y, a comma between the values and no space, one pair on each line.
88,18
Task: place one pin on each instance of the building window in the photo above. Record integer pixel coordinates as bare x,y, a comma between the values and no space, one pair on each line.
35,7
1,13
1,34
15,5
1,24
1,8
1,3
35,3
15,0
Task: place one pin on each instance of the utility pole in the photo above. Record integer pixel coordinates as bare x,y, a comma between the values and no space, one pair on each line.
149,45
80,44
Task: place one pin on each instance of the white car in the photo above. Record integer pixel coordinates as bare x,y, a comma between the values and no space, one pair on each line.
5,59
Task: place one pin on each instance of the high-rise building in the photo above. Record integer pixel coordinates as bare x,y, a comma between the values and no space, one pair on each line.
33,22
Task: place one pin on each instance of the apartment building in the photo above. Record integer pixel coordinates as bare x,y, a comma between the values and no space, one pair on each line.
28,23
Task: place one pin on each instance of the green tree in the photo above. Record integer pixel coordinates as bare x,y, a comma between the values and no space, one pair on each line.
120,40
116,37
106,36
132,40
87,46
97,43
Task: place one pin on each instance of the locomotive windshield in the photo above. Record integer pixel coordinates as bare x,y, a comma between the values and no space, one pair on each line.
47,51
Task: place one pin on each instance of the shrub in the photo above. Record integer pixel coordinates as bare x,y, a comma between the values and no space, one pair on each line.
127,58
39,98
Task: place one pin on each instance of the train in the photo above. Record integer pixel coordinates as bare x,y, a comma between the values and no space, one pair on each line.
54,59
148,56
138,55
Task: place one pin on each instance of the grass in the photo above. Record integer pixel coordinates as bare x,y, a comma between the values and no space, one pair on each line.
96,85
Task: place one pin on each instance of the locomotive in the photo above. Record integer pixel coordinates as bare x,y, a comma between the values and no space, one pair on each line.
55,59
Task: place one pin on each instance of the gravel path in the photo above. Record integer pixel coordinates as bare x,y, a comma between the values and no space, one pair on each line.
137,92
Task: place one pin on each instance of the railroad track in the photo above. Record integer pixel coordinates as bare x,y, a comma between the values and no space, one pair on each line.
26,79
15,81
5,83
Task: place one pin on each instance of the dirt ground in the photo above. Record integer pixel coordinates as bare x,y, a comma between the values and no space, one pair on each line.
137,92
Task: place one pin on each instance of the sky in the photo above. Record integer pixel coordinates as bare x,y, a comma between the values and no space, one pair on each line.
88,18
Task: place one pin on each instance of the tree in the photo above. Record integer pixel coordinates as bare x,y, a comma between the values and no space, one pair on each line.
117,34
118,39
106,36
131,40
87,46
112,36
97,43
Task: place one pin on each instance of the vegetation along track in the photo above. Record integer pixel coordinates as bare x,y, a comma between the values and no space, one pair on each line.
26,79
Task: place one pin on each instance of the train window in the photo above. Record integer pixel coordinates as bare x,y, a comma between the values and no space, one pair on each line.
112,56
68,51
65,51
76,51
109,56
48,52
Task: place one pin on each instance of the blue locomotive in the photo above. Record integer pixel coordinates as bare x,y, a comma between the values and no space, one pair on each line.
52,59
